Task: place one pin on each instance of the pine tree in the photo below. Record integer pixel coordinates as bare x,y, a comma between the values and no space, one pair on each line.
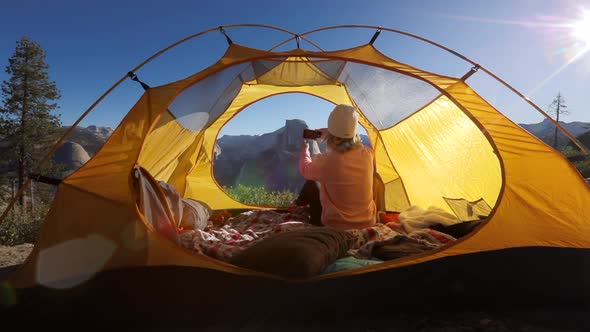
26,119
556,108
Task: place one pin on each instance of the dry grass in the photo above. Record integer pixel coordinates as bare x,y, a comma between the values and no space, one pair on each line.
14,255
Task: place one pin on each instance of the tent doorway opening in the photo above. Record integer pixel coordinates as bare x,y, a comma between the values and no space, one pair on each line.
257,151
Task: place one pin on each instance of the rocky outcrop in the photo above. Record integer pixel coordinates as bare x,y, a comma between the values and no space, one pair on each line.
268,160
71,155
90,138
80,146
101,133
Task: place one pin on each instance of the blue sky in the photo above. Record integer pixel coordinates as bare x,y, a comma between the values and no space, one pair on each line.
91,44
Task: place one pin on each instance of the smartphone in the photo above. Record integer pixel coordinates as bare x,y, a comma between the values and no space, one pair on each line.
311,134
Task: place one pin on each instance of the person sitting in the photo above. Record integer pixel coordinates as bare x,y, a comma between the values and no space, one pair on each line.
344,199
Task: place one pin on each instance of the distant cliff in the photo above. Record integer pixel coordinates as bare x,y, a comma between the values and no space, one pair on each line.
268,160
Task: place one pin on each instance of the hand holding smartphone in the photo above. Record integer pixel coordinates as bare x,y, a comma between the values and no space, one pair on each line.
311,134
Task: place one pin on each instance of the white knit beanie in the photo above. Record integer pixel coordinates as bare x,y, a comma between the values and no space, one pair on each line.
343,121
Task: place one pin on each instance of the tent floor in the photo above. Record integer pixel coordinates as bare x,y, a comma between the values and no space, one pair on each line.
543,287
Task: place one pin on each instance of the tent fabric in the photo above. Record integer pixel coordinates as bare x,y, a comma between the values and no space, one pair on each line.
434,138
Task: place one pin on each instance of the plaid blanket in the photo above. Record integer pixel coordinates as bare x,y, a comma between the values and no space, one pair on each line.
223,240
224,237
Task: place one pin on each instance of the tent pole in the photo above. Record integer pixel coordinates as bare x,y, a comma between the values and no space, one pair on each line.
518,93
297,37
547,116
109,90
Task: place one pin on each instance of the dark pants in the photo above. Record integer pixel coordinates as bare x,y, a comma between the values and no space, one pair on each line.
310,195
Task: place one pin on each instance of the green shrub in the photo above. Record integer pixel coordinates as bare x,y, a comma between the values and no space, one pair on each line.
260,196
21,226
582,166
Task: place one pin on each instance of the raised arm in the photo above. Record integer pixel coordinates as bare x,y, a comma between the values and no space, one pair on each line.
309,169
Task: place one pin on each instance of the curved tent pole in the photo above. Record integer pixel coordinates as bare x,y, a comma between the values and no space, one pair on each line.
547,116
294,36
27,183
475,64
394,31
57,144
155,55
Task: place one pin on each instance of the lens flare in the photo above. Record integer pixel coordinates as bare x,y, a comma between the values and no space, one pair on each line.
69,264
581,28
575,47
568,36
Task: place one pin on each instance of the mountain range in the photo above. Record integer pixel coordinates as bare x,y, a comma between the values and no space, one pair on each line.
269,159
545,130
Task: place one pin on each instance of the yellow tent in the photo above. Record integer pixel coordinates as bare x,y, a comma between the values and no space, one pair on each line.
434,137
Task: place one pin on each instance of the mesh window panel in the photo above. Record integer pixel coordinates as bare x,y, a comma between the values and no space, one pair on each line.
466,210
248,74
332,68
198,106
261,67
386,97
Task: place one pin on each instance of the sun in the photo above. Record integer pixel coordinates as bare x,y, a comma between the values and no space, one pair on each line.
581,28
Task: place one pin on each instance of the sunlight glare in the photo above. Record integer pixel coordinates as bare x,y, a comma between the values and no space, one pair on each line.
581,28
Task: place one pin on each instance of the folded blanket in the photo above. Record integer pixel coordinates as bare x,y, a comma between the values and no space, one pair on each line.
458,230
366,240
415,218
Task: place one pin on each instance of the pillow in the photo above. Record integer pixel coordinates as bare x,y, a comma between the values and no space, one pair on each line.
296,254
195,214
188,213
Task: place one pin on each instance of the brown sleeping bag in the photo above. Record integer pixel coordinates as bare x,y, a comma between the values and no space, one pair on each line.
296,254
